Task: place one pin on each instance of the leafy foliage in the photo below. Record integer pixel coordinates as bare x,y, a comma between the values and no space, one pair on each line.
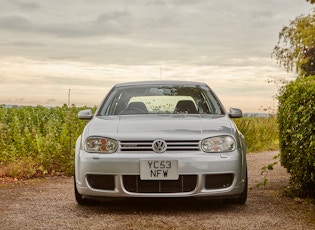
296,120
296,46
308,67
38,140
266,169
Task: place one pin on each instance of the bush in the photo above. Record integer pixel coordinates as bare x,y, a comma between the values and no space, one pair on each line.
296,119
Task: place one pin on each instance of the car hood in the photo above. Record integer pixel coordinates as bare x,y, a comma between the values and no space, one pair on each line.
175,127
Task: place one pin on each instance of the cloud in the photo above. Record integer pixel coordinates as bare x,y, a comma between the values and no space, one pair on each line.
27,5
145,31
27,44
89,83
186,2
15,23
118,22
51,101
48,47
156,3
20,5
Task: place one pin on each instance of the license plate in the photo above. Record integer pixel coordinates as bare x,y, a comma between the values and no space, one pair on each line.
158,169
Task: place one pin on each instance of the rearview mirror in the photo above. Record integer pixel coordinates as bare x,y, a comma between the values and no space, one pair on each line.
235,113
85,114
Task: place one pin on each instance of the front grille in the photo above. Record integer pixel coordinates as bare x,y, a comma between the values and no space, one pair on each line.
142,146
185,183
219,181
103,182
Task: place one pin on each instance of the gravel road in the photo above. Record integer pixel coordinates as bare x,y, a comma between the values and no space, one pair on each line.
49,203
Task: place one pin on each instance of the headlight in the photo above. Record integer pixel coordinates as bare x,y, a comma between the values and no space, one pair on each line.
100,145
218,144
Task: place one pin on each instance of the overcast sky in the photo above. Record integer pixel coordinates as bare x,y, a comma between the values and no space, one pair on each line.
48,47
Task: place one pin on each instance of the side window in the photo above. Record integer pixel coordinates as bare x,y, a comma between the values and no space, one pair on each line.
215,105
208,103
114,104
203,103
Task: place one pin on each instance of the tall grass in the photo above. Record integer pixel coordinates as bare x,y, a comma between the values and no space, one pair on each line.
38,141
261,133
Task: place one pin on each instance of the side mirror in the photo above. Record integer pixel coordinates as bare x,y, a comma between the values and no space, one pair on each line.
85,114
235,113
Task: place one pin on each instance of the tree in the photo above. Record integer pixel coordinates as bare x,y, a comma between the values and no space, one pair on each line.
296,45
308,67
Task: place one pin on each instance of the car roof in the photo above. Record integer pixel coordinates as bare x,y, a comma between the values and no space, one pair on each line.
162,82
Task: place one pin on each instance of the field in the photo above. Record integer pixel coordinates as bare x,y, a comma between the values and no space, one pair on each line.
261,133
39,141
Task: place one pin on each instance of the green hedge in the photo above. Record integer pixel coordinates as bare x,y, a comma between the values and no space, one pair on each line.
296,119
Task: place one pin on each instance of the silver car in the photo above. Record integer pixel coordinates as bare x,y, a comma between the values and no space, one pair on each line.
160,139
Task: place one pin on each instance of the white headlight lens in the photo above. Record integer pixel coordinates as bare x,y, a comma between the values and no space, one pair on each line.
218,144
101,145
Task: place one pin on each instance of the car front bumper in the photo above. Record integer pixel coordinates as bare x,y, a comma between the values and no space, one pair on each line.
200,175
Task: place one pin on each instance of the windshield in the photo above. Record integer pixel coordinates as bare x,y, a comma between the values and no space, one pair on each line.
167,99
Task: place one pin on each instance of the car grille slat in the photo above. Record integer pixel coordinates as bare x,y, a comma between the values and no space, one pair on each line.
185,183
189,145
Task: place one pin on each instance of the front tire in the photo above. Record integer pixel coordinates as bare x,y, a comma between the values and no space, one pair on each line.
241,199
79,198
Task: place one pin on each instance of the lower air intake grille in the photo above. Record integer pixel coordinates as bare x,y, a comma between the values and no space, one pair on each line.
219,181
186,183
103,182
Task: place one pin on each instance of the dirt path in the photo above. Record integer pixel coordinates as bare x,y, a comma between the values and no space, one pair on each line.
49,204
